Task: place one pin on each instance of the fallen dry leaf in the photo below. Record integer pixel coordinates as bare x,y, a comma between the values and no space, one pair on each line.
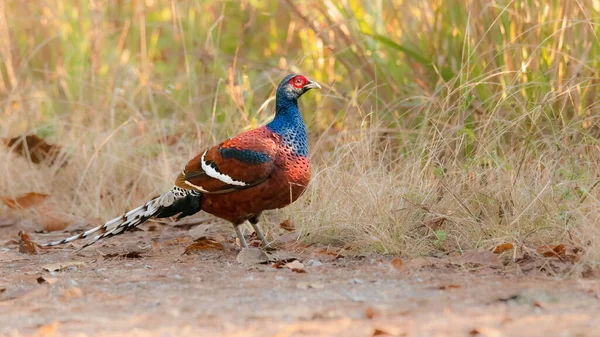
397,263
26,246
556,251
62,266
203,243
250,256
279,264
379,332
198,231
51,220
287,225
49,280
503,248
296,266
325,251
448,286
26,200
34,148
435,224
370,312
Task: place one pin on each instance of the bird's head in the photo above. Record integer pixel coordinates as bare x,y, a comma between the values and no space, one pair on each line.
293,86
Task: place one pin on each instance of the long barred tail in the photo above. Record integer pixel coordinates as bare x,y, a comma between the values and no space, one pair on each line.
176,201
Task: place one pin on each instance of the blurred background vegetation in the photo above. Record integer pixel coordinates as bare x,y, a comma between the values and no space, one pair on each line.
465,90
406,63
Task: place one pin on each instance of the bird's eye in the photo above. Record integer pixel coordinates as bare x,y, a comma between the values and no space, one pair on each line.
298,81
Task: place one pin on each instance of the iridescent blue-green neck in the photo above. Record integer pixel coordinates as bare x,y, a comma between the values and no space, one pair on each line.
288,123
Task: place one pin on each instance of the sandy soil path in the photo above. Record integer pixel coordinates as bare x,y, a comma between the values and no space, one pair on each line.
157,291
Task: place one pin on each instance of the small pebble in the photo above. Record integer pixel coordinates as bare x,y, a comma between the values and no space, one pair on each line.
314,263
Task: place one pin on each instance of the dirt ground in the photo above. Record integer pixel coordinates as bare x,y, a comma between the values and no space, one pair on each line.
141,284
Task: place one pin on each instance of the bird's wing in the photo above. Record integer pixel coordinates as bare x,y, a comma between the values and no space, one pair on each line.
237,163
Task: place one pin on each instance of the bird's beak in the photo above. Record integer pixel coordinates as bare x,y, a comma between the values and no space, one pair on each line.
312,85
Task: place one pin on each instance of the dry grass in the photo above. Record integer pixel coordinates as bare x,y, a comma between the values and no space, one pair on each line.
443,126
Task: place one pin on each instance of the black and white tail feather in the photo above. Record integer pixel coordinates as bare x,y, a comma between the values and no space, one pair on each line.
176,201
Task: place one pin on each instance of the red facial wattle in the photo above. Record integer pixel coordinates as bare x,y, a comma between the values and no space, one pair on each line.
299,81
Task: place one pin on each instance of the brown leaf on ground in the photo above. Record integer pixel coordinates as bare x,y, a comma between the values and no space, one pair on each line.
435,224
199,231
503,248
397,263
26,246
329,252
279,264
26,200
556,251
52,220
448,286
296,266
287,225
49,280
379,332
34,148
250,256
203,243
370,312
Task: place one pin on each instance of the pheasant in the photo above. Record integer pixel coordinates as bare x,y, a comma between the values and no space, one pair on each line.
236,180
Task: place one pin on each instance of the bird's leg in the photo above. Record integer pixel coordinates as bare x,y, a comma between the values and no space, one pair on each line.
259,232
240,235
